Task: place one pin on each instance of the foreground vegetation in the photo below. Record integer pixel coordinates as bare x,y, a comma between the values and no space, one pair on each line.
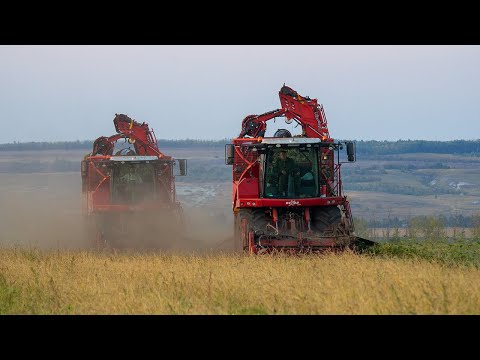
441,252
394,278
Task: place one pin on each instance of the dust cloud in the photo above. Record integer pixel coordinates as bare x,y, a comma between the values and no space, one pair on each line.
44,211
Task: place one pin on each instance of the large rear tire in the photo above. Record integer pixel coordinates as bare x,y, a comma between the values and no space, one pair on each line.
259,221
256,222
324,218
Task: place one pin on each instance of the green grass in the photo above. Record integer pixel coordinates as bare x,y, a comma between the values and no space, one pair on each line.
458,253
9,296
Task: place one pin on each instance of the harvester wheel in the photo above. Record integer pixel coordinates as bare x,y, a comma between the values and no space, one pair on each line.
324,217
259,220
255,222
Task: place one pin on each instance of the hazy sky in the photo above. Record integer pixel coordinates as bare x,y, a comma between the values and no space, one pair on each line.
54,93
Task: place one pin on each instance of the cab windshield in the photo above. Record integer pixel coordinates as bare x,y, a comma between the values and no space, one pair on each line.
133,183
291,173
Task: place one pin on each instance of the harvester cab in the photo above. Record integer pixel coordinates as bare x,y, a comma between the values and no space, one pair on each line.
129,194
287,190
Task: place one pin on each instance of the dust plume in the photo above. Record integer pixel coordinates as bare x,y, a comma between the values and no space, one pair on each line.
43,211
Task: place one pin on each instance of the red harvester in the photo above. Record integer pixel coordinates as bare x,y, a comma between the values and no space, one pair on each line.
129,197
296,208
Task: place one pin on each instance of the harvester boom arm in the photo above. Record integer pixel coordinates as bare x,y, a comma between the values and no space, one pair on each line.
142,138
255,125
303,110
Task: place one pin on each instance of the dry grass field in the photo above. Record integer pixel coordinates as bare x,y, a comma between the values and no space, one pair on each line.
79,282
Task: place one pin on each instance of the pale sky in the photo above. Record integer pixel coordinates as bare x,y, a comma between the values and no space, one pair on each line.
63,93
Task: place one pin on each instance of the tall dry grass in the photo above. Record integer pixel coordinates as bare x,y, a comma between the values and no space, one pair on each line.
70,282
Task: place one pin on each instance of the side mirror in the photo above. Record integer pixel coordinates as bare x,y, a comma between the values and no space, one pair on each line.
229,154
351,151
182,164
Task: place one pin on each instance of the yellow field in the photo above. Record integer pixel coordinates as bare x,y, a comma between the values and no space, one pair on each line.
70,282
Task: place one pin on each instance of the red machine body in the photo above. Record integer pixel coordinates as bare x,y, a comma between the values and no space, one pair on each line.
130,193
304,210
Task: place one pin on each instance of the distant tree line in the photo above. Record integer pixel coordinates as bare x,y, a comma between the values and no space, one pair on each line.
370,147
88,145
220,144
58,145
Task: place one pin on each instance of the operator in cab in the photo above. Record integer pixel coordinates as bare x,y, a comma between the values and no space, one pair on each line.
283,167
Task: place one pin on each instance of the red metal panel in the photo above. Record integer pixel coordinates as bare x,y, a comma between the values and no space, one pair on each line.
256,202
248,188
